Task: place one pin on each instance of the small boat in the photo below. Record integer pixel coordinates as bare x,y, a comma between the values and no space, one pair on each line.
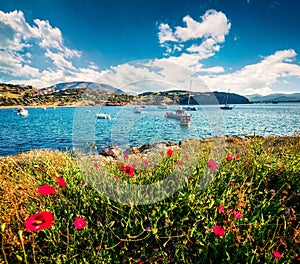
137,110
21,111
190,108
163,106
185,120
226,105
178,114
103,116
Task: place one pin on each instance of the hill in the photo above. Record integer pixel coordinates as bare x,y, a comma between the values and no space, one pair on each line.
84,85
277,97
88,93
196,98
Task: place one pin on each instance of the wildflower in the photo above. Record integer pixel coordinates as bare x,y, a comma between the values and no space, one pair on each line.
79,223
272,190
237,156
126,156
221,208
232,182
61,182
46,189
229,158
96,165
129,170
212,165
39,221
277,254
146,163
207,229
186,156
148,228
116,178
219,231
180,163
237,215
169,153
42,168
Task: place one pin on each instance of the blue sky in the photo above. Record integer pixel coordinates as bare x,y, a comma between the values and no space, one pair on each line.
245,46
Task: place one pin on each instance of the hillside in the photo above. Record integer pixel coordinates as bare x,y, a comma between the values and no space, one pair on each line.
203,98
277,97
84,85
84,93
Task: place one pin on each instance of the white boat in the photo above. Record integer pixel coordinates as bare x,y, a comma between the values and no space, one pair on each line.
103,116
137,109
163,106
21,111
185,120
178,114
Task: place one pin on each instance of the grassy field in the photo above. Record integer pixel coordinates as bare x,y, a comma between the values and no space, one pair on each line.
248,213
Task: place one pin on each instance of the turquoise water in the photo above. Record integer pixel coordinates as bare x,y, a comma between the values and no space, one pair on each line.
65,128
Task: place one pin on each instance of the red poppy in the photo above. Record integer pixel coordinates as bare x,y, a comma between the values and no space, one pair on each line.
221,208
146,163
180,163
170,153
116,178
126,156
79,223
229,158
96,165
186,156
277,254
46,189
237,215
129,170
61,182
219,231
212,165
39,221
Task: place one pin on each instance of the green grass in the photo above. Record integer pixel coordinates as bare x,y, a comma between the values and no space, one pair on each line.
263,185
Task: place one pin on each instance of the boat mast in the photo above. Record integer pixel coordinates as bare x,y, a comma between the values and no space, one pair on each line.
190,92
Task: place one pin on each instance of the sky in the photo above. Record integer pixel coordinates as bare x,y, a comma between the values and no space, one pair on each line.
242,46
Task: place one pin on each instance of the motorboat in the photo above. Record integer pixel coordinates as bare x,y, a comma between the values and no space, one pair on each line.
103,116
163,106
178,114
185,120
137,109
190,108
21,111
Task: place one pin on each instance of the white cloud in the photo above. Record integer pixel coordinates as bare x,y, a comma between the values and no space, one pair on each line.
213,24
259,77
20,42
208,34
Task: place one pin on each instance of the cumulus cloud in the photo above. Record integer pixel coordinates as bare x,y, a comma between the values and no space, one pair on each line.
20,42
259,77
210,32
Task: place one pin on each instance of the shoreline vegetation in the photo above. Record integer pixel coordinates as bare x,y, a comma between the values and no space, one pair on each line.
52,210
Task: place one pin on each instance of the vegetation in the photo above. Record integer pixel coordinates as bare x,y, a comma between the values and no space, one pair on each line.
11,95
249,211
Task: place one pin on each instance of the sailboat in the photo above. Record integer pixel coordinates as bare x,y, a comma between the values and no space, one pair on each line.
190,108
226,105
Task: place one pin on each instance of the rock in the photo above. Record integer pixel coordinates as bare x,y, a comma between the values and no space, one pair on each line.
113,151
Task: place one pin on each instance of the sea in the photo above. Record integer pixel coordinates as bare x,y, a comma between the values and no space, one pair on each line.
66,128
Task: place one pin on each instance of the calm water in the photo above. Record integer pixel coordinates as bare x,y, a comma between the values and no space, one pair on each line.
65,128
